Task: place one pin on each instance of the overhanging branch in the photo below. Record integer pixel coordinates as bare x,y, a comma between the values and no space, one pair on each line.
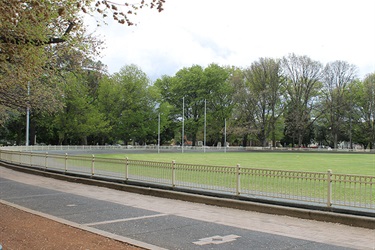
51,40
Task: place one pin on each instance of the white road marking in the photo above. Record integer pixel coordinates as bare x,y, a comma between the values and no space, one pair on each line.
217,239
123,220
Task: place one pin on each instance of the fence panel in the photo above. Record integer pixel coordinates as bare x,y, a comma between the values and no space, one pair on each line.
150,171
353,191
79,164
114,168
214,178
280,184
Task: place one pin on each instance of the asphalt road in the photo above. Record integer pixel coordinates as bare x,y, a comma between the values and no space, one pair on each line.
158,223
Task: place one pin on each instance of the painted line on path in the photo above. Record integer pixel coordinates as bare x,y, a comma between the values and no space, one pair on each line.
124,220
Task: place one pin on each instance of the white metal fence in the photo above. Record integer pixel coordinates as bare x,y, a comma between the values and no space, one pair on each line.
48,148
327,189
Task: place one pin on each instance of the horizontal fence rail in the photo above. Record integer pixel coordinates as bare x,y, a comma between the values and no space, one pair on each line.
48,148
314,188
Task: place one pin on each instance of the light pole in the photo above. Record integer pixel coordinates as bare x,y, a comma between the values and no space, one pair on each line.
205,113
28,115
159,133
225,135
183,121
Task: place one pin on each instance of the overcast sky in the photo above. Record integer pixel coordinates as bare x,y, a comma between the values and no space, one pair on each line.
239,32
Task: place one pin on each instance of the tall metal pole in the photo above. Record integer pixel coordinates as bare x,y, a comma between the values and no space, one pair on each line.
350,120
183,121
27,116
205,113
225,135
159,133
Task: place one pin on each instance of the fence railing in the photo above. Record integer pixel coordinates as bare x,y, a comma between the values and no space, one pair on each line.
48,148
314,188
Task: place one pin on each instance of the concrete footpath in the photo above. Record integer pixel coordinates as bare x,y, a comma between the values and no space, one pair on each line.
160,223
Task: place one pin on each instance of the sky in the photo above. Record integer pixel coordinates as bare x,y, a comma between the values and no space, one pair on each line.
239,32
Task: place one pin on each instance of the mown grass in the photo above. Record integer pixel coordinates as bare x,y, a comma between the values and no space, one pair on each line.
339,163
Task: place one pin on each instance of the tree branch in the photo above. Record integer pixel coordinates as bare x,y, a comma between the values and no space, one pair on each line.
51,40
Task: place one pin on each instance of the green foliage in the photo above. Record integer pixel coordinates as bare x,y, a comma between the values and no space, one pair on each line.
259,99
34,37
129,105
80,117
194,88
303,77
364,110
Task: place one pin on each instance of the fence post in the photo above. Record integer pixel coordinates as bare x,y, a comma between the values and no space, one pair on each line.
329,188
173,173
126,168
66,162
45,160
92,165
31,159
238,179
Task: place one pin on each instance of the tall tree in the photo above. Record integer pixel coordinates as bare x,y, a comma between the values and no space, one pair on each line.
31,32
337,77
303,77
190,88
263,92
365,101
241,126
36,34
80,118
219,101
128,105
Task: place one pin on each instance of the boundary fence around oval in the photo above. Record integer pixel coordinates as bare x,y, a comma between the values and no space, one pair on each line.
325,189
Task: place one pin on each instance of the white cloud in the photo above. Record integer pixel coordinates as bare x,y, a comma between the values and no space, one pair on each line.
238,32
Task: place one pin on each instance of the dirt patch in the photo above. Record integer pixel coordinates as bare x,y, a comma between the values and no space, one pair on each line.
23,230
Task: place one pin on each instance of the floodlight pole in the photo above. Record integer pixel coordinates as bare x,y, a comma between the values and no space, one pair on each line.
159,133
183,121
225,135
28,116
205,113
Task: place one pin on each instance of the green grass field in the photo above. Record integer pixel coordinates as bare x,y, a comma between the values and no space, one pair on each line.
344,163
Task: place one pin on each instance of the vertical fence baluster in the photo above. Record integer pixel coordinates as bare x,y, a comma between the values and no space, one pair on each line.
329,188
173,174
92,165
66,162
126,168
238,179
45,160
31,159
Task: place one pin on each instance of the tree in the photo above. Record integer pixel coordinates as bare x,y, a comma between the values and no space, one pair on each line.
337,77
129,106
219,100
303,77
80,117
365,104
190,92
35,37
30,35
259,98
190,88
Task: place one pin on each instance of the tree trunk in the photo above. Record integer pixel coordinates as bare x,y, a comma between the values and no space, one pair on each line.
244,140
84,140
